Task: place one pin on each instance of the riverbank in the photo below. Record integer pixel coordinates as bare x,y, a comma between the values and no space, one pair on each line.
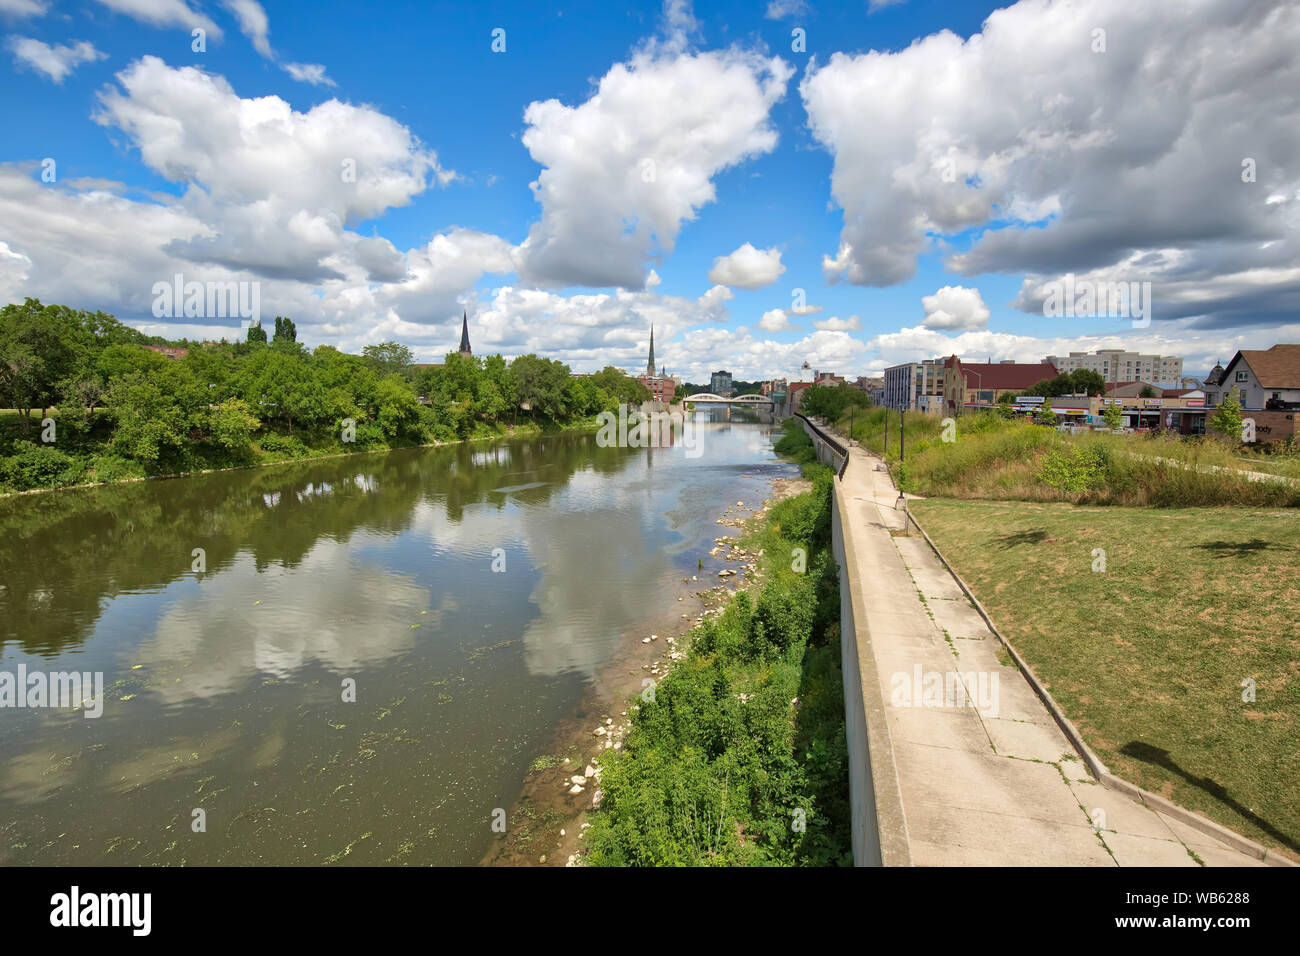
510,433
549,823
658,747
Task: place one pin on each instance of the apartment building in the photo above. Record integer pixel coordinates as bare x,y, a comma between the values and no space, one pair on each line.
915,385
1117,365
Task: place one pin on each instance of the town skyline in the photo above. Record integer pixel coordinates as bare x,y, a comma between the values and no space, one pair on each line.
579,213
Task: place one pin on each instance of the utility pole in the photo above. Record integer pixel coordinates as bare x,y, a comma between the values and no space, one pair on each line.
902,420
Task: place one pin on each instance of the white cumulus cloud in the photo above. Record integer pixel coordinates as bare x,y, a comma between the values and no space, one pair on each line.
833,324
623,170
747,267
1071,159
774,320
955,307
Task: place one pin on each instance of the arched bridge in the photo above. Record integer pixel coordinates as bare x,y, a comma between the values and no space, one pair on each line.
711,399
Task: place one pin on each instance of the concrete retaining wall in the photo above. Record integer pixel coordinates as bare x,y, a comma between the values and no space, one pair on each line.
879,831
866,834
829,451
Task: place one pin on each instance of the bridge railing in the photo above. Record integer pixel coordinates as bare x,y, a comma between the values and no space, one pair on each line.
827,445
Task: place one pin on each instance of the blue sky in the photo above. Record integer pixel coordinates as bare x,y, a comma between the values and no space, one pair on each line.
821,168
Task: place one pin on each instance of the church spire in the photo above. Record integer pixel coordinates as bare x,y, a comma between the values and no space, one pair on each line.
464,335
650,365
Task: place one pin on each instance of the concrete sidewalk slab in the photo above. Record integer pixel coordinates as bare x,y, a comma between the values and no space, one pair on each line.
992,789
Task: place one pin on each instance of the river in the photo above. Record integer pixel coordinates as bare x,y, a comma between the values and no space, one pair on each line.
465,596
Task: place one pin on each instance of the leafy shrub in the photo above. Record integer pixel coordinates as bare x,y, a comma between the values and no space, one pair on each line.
795,443
232,424
1074,470
39,466
109,467
807,517
278,444
369,433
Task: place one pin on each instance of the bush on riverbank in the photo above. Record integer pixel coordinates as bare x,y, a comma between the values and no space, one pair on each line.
795,444
93,399
740,757
994,458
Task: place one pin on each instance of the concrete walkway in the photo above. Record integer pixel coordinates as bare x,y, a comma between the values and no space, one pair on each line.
999,788
1209,469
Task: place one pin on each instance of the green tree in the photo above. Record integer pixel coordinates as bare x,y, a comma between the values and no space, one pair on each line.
41,347
1087,382
285,330
1113,416
151,424
1227,420
256,334
622,386
1080,381
231,425
281,385
542,386
398,408
831,402
389,358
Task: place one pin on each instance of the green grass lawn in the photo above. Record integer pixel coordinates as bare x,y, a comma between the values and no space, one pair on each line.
1148,656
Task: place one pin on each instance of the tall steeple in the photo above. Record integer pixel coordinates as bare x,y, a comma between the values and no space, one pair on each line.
650,365
464,335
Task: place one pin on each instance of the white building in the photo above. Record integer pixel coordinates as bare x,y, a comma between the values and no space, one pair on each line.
1262,379
1116,365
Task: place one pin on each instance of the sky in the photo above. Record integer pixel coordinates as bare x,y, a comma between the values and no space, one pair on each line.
772,183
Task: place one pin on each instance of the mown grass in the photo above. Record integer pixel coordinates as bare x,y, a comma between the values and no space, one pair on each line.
1148,656
740,756
992,458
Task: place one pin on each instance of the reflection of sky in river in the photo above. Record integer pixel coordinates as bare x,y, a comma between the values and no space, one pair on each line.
223,687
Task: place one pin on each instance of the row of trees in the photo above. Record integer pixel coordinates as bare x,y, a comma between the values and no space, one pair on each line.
832,402
116,397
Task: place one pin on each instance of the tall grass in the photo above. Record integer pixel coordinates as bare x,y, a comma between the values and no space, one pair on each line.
994,458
